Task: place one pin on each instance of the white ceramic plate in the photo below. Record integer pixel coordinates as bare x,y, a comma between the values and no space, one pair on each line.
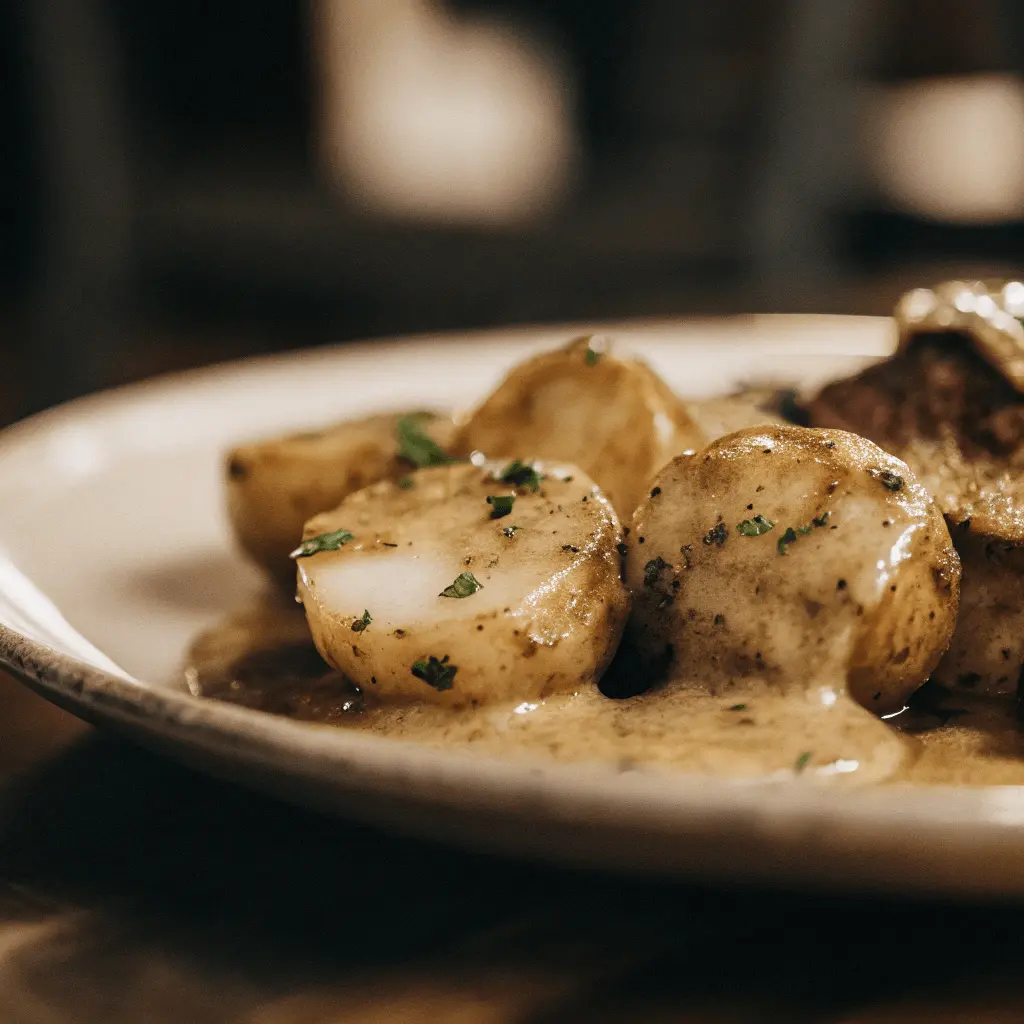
114,552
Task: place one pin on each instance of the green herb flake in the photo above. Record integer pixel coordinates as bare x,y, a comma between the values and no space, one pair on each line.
520,474
464,585
821,520
802,761
717,535
653,570
323,542
438,674
755,527
360,624
786,539
415,446
510,531
593,357
738,707
406,483
889,480
501,504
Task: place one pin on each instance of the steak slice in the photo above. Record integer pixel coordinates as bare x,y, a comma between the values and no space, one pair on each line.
949,403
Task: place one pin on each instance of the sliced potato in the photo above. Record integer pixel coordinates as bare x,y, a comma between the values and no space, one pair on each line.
433,593
801,558
614,418
274,486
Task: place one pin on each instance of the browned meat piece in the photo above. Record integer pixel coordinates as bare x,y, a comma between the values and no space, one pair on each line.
949,403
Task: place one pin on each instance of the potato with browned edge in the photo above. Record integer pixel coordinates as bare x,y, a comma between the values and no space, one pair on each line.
479,584
800,558
614,418
275,486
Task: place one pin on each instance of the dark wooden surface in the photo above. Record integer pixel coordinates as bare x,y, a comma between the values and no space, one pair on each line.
133,890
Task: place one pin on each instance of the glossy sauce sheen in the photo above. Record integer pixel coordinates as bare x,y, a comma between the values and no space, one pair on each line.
263,658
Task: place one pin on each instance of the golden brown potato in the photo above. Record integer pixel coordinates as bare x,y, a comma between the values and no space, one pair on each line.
803,558
984,656
274,486
614,418
475,585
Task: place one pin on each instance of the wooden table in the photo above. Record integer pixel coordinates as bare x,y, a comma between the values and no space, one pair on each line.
133,890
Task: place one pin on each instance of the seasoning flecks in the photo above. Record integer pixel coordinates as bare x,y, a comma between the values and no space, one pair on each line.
717,535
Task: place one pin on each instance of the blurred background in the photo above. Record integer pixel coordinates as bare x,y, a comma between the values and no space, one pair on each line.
183,183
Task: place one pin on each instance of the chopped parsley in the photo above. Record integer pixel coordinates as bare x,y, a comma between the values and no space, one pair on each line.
501,504
322,542
791,534
520,474
716,535
593,357
801,762
360,624
738,707
653,570
510,531
891,481
463,585
406,483
755,527
438,674
786,539
415,446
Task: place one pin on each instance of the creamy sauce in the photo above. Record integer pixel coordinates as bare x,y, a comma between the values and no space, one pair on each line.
263,658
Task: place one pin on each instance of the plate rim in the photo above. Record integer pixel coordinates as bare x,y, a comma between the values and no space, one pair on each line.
780,833
94,402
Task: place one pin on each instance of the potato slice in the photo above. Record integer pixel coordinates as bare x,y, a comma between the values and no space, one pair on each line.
798,558
274,486
445,597
614,418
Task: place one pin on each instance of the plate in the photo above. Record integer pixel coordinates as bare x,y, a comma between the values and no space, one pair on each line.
115,552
